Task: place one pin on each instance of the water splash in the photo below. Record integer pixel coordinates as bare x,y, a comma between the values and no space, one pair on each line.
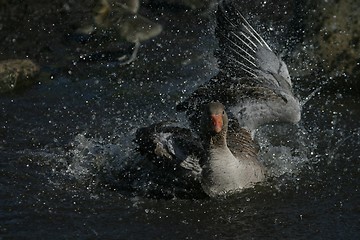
285,149
309,97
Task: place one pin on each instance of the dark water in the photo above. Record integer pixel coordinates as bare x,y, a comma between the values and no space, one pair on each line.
66,146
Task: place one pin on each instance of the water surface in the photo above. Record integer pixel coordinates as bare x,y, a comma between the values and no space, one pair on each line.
69,168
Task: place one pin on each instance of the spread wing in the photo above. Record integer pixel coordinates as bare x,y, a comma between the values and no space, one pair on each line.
243,52
253,82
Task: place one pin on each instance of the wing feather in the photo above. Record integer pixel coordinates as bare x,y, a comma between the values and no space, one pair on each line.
253,82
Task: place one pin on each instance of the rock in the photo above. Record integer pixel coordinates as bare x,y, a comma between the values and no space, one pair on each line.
17,73
331,41
338,39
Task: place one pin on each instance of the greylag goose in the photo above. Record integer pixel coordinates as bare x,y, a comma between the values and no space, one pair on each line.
254,87
222,159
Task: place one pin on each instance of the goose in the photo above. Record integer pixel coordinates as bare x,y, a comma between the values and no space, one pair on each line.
221,158
253,88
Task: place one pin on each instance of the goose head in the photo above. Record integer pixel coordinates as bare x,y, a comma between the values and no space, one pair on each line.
214,124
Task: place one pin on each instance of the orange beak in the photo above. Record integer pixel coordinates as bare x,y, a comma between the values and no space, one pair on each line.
217,122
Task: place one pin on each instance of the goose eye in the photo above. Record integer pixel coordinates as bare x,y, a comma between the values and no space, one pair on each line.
223,112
